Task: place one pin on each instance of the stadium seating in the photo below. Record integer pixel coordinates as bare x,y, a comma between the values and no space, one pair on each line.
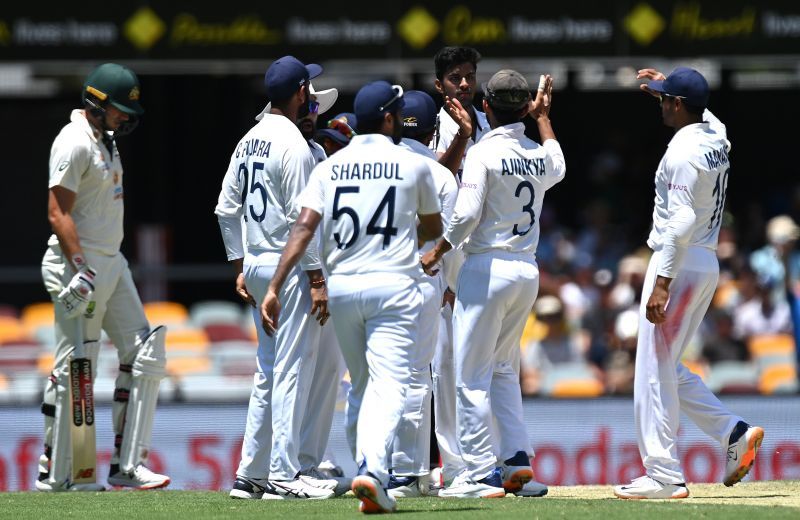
37,315
11,329
571,380
171,314
733,377
778,379
214,312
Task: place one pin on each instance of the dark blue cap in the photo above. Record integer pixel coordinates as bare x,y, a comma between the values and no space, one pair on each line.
685,83
285,76
377,98
341,128
419,113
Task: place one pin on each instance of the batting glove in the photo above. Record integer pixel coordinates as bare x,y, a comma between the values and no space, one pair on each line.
78,293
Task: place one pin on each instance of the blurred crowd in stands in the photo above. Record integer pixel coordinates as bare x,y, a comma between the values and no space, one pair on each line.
580,340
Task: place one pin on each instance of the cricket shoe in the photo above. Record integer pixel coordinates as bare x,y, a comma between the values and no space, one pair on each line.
516,472
742,448
299,489
250,488
465,487
330,470
431,484
314,477
404,487
138,478
647,487
44,485
374,499
532,489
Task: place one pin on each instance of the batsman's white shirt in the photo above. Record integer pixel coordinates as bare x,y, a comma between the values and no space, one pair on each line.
369,195
691,180
505,165
80,162
267,172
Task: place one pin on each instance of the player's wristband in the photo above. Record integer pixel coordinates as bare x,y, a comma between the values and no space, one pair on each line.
316,284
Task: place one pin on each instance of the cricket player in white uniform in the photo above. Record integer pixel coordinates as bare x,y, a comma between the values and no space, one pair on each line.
368,197
316,427
411,457
681,278
502,190
268,170
460,123
92,288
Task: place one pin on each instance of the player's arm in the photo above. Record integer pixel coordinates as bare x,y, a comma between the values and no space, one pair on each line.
299,239
466,214
451,157
229,216
680,225
60,202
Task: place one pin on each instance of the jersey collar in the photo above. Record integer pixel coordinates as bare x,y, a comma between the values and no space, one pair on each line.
687,130
78,117
514,129
370,139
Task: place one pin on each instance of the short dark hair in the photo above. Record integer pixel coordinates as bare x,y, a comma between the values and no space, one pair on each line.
373,126
507,117
449,57
694,110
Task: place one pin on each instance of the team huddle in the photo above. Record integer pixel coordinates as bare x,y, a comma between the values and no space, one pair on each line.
401,248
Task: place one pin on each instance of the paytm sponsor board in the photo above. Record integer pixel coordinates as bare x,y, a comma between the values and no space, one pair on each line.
576,442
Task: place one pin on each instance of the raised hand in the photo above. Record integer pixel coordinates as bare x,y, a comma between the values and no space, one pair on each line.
540,105
459,115
650,75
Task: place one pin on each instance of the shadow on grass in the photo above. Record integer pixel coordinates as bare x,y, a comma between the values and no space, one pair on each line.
745,496
431,511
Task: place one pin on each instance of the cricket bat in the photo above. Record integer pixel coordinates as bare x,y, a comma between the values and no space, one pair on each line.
84,455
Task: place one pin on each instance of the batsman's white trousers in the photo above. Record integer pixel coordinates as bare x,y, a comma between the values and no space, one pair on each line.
444,396
411,455
663,386
496,291
118,310
317,421
375,316
285,370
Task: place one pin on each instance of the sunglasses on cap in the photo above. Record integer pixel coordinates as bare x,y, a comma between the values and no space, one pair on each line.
398,93
313,107
662,97
342,127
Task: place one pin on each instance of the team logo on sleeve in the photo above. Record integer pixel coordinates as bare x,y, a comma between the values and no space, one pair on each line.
63,166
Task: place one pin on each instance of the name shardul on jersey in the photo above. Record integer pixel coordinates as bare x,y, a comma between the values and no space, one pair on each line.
365,171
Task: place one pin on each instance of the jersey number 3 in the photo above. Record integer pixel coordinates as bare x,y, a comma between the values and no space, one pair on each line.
527,208
373,228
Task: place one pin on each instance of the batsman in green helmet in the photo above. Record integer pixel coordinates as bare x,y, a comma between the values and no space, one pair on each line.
92,290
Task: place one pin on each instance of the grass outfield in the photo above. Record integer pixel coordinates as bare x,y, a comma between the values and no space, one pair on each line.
755,500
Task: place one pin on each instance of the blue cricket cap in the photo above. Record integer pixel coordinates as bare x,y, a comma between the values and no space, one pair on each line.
285,75
685,83
419,113
377,98
341,128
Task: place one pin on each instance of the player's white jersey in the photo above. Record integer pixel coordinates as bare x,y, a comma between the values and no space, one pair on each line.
502,190
448,129
317,151
268,170
369,195
443,180
81,163
690,192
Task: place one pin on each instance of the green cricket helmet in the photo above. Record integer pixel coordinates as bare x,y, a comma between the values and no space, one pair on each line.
112,83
